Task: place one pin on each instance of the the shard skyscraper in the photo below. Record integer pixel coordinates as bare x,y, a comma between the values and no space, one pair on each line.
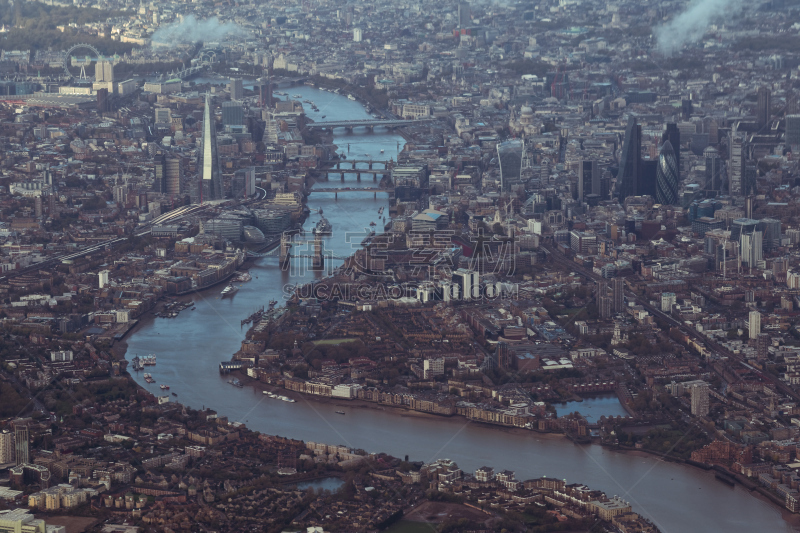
210,186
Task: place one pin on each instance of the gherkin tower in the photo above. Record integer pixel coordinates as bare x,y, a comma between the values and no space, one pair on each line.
667,176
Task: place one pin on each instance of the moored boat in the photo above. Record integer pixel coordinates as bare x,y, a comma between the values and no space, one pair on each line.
230,290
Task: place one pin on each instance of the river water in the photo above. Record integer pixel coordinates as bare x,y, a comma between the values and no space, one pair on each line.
677,498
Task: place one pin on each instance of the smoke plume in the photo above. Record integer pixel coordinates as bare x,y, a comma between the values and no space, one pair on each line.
691,24
190,30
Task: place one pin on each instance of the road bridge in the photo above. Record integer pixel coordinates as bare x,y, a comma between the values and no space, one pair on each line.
336,191
369,124
353,162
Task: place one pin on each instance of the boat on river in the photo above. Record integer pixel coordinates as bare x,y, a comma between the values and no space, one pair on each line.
230,290
323,227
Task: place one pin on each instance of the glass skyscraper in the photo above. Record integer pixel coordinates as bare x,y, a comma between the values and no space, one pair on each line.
210,187
736,164
673,135
713,177
630,162
510,154
232,114
667,176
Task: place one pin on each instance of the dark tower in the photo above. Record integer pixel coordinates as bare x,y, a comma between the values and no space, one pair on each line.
648,178
630,163
764,107
587,176
160,180
713,181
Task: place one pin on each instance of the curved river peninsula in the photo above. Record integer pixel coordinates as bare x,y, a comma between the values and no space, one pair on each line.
676,497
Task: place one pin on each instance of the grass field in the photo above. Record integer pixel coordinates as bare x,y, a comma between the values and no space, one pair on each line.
405,526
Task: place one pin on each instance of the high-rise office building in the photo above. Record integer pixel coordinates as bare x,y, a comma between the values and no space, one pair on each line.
793,131
741,226
792,103
713,175
648,178
736,165
667,176
618,304
464,18
630,163
673,135
604,301
243,183
160,170
210,183
509,154
587,175
7,453
502,355
699,394
771,229
236,89
270,131
103,101
263,90
174,175
763,107
754,324
762,345
21,444
358,35
668,299
232,114
468,283
103,71
168,174
751,248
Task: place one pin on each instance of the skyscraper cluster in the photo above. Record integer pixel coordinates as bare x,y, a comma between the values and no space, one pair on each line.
659,178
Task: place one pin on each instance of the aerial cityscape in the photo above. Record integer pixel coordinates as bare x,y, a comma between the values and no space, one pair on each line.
316,266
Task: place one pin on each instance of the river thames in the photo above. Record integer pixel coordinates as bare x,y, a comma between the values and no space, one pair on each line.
677,498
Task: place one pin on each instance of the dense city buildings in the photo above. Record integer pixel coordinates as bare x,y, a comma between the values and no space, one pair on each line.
406,228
